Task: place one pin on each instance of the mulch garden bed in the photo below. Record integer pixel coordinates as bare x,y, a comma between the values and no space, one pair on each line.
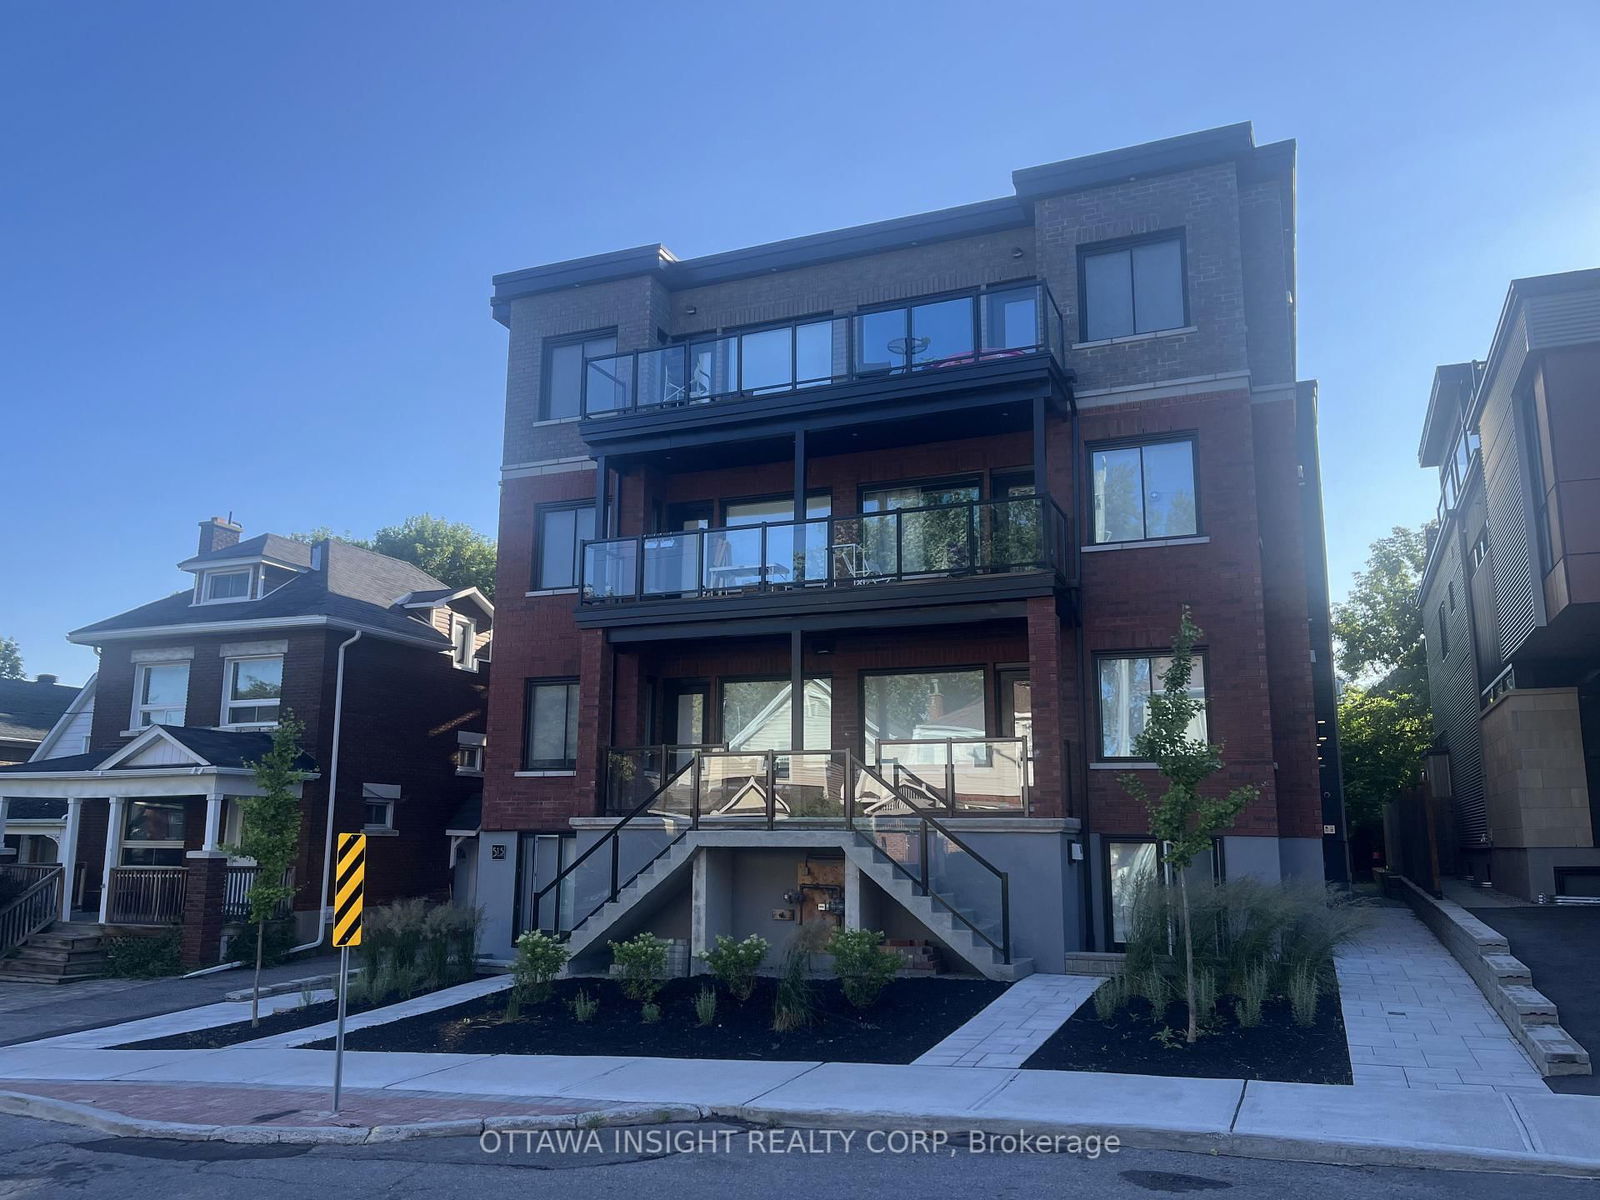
911,1016
1277,1049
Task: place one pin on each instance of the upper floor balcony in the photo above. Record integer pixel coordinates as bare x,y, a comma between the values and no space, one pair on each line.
1002,340
980,551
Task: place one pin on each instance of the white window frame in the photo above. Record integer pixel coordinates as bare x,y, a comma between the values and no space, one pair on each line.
470,746
457,624
141,670
228,703
381,796
203,585
125,843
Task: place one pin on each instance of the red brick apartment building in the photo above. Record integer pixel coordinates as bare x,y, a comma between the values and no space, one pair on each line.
949,479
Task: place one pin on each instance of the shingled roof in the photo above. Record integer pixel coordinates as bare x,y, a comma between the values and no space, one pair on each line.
29,707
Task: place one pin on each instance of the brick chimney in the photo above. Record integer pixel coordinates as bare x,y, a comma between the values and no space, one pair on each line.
217,534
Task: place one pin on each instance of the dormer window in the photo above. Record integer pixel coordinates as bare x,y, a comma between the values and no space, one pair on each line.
227,585
463,641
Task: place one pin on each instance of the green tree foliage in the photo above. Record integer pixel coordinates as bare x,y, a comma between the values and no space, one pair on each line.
271,833
1379,628
1182,818
1385,725
451,551
1382,738
10,659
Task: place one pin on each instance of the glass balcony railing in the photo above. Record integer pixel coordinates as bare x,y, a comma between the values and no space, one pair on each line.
931,335
1022,533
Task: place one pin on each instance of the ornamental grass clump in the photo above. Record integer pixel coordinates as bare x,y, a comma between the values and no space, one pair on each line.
735,963
864,965
705,1006
584,1005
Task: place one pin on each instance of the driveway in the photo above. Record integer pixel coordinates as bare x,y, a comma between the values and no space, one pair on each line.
36,1010
1561,946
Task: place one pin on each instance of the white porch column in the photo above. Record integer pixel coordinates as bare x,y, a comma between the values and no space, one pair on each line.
3,855
69,853
213,822
114,826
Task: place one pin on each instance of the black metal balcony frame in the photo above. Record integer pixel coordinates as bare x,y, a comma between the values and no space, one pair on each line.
1049,537
612,385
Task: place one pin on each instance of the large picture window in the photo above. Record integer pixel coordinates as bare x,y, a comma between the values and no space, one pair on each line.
161,691
562,532
550,741
152,835
756,714
1132,289
254,689
923,706
1126,681
1143,492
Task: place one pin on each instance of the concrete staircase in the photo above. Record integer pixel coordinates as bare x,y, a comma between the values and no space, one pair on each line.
636,899
62,952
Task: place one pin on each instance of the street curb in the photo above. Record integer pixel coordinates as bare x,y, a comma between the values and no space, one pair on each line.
101,1120
1334,1151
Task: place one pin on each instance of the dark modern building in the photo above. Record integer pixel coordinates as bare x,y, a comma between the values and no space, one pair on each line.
385,666
836,571
1511,594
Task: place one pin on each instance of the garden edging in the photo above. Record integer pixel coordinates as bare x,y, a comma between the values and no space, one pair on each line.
1504,981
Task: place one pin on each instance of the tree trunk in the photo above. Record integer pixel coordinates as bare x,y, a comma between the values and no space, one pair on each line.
1188,958
255,990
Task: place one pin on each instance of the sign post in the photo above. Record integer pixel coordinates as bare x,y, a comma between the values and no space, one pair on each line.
350,875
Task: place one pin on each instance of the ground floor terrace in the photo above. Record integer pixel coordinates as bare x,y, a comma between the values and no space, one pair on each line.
955,785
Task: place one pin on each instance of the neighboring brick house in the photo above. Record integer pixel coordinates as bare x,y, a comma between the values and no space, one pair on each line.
1510,595
384,664
949,479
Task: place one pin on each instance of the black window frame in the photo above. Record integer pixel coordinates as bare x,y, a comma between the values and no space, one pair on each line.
537,581
1201,653
1219,874
1139,443
528,687
546,361
1116,245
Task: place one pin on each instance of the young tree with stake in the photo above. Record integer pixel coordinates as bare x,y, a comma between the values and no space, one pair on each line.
1183,820
271,834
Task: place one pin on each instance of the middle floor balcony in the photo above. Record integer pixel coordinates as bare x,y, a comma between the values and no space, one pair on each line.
969,561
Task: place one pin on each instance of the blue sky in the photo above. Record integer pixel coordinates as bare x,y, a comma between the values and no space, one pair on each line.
247,247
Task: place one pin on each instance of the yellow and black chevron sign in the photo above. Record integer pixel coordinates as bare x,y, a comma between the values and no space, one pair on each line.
350,879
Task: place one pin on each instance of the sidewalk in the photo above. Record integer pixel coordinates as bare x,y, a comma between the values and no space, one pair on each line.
29,1011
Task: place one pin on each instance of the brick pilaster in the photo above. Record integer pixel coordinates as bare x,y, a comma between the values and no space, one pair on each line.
204,891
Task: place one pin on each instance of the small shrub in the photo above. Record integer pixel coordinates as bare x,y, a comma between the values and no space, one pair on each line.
143,957
539,960
1110,996
275,946
735,963
863,965
463,937
307,996
642,960
705,1005
650,1012
584,1006
1305,988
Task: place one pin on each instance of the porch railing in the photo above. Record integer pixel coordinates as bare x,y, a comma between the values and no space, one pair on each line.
146,895
962,776
236,896
34,907
944,541
764,788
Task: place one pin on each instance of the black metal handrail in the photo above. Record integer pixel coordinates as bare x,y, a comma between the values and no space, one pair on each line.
853,767
976,537
1000,322
611,837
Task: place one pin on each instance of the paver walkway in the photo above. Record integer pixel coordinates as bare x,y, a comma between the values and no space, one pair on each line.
1019,1021
1415,1019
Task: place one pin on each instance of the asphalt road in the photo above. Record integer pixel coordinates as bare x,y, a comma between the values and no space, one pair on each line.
42,1161
1561,946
